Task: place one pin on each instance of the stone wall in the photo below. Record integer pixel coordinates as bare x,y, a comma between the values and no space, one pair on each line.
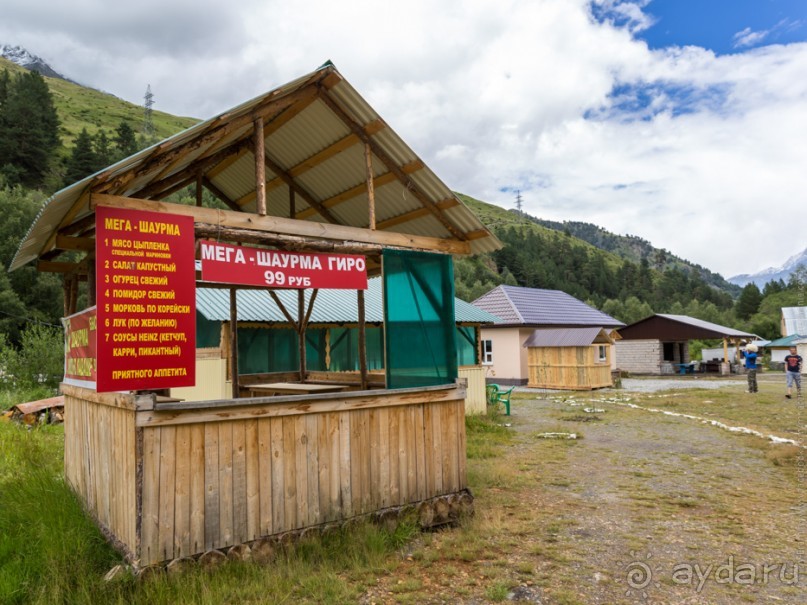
639,356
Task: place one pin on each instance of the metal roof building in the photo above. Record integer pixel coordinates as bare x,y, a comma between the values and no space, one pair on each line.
517,306
794,320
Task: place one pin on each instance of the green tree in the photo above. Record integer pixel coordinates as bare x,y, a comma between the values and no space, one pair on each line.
29,130
103,151
82,161
748,302
125,141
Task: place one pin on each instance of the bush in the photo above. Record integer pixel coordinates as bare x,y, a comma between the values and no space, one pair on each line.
39,362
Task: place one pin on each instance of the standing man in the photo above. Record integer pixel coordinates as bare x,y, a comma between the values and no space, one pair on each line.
793,371
751,367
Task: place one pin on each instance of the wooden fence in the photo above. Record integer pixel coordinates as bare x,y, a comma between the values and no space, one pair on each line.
183,478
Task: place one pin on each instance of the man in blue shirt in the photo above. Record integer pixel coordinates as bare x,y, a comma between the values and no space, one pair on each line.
751,367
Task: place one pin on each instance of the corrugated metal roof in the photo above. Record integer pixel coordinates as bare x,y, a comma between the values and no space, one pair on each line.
795,320
534,306
707,325
567,337
785,342
668,327
330,306
314,102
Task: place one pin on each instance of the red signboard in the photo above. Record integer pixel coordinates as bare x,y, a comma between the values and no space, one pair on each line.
228,264
79,349
146,293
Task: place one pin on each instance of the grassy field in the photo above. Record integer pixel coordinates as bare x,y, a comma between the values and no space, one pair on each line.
560,522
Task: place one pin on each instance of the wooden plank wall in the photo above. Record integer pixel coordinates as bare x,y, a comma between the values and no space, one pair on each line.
215,484
100,463
475,399
566,368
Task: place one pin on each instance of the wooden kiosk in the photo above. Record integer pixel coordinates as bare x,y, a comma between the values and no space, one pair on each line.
307,168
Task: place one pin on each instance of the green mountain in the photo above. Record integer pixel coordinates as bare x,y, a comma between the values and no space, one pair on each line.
81,107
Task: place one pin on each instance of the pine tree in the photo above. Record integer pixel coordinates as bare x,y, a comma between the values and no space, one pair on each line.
29,129
125,142
748,302
103,151
82,161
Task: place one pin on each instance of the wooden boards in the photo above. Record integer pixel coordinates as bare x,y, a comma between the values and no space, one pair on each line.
227,481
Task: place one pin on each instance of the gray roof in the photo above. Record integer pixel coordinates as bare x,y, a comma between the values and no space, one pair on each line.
537,307
795,319
566,337
331,306
707,325
311,129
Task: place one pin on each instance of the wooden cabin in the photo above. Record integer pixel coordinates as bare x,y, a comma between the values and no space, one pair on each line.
522,311
570,358
303,188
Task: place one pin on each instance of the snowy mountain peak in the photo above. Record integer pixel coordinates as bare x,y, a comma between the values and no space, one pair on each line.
763,277
23,58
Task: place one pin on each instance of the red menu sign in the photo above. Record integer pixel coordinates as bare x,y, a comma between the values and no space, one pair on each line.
146,294
228,264
79,349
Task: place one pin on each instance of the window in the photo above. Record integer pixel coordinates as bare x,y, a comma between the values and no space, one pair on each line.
602,353
487,352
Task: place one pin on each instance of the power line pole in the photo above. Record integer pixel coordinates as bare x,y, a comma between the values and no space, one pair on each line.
519,201
148,122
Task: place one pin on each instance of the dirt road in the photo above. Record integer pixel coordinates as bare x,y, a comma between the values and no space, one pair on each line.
644,508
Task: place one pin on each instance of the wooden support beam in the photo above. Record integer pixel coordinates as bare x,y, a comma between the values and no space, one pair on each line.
220,195
164,155
390,164
298,189
234,342
284,310
58,267
90,284
73,294
349,194
362,340
412,215
68,218
260,168
301,331
85,244
78,226
291,242
292,203
284,226
200,179
368,165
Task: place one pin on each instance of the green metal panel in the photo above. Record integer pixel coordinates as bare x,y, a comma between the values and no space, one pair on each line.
420,332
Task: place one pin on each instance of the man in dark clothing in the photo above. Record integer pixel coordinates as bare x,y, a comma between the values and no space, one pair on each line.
793,371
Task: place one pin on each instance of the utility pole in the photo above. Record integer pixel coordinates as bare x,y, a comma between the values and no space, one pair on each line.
148,122
519,201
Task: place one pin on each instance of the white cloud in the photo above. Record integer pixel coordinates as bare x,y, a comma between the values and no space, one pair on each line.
697,153
747,37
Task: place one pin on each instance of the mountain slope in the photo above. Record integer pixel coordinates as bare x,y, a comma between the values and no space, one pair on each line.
81,107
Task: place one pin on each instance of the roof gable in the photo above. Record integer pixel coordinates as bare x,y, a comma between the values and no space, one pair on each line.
568,337
318,133
664,326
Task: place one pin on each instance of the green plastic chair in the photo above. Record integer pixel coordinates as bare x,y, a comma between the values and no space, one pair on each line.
496,396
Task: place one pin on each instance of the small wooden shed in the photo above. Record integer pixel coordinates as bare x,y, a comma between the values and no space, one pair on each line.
570,358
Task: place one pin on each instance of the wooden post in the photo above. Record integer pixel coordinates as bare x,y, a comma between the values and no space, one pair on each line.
91,282
260,168
234,342
368,158
301,330
362,341
66,292
73,293
292,203
199,188
726,350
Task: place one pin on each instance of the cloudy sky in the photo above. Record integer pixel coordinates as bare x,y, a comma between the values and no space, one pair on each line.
683,122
